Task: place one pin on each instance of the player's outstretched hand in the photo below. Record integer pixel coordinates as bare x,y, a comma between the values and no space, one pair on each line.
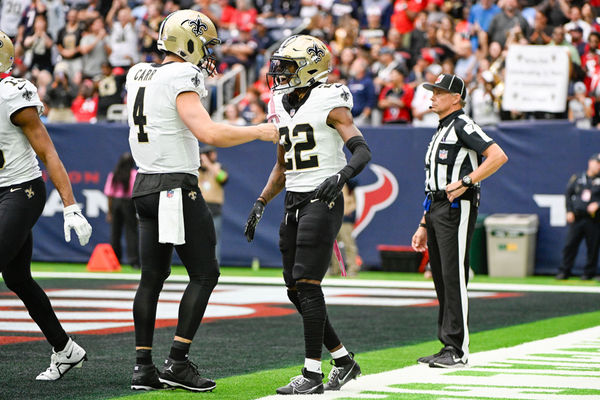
268,132
74,219
330,189
255,215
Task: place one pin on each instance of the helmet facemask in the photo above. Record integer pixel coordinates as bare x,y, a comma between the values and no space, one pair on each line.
284,74
209,61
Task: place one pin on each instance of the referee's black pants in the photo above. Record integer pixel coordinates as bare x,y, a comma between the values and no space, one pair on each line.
449,232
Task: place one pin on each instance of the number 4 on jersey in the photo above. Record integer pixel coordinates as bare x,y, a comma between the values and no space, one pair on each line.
139,119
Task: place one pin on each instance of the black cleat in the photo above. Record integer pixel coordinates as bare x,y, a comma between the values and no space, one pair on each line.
307,383
448,359
145,377
184,374
340,375
428,359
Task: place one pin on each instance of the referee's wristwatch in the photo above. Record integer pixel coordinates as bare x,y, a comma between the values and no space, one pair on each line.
467,181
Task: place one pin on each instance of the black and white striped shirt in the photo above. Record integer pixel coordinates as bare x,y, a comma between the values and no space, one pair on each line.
454,151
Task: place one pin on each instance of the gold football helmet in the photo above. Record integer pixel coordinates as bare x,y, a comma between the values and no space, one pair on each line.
190,35
300,61
7,53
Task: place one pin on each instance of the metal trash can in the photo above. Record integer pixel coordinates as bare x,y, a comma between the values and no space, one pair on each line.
511,242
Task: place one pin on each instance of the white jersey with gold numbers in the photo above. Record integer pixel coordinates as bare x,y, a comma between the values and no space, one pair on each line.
160,142
313,149
18,162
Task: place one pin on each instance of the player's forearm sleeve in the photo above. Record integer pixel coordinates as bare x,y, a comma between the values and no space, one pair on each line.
361,155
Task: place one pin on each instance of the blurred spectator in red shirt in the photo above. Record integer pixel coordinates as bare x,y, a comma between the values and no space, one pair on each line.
405,12
590,61
85,105
395,99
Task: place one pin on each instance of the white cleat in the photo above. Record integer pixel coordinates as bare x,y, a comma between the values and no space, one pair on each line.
61,362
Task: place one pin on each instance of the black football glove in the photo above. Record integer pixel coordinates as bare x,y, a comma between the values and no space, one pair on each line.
255,215
330,189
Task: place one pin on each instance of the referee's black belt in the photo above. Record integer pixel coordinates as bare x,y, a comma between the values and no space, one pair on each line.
437,195
441,195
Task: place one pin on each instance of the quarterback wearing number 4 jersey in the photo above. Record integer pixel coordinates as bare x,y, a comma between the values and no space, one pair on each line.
166,121
22,199
314,123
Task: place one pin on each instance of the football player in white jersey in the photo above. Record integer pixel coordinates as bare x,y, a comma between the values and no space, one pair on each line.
314,123
22,199
166,120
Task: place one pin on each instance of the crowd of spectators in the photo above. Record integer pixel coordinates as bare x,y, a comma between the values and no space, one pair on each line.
77,52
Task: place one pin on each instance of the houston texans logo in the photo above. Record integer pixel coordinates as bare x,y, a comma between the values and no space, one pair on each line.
315,52
374,197
198,26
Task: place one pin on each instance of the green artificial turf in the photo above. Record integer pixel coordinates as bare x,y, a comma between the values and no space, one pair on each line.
263,383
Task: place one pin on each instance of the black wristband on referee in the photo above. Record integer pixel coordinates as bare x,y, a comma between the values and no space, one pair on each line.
422,225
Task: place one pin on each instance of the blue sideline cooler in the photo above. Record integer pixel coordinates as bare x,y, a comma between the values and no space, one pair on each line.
511,240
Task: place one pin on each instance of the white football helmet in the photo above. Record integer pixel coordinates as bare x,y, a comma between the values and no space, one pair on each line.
190,35
7,53
300,61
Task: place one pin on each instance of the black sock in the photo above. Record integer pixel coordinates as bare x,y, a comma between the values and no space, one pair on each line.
343,360
143,356
179,351
61,343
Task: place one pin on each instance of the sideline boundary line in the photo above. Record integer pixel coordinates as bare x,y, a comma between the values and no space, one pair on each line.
510,287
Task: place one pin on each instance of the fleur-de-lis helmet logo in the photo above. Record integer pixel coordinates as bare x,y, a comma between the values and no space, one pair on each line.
198,26
316,52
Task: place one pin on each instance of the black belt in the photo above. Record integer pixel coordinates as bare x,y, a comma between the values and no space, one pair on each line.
441,195
437,195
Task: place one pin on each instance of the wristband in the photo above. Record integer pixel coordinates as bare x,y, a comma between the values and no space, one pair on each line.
221,176
422,225
262,200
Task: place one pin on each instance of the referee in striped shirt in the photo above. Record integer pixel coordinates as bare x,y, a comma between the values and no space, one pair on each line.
454,170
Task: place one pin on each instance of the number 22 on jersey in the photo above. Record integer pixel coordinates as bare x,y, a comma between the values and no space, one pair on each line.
294,159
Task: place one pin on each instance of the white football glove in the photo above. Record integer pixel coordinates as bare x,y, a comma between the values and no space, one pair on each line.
74,219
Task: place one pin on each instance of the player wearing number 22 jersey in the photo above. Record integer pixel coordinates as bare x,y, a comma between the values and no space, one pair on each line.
314,122
166,120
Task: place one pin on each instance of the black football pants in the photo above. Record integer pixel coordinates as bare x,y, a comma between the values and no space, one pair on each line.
449,232
197,254
20,207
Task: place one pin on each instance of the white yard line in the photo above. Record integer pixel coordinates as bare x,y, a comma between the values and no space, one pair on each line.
480,381
510,287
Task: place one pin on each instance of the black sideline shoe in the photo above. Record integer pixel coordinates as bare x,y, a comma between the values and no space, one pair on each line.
561,276
307,383
587,277
340,375
448,359
184,374
145,377
428,359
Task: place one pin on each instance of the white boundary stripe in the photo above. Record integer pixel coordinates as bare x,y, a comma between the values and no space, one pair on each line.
463,229
548,382
508,287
